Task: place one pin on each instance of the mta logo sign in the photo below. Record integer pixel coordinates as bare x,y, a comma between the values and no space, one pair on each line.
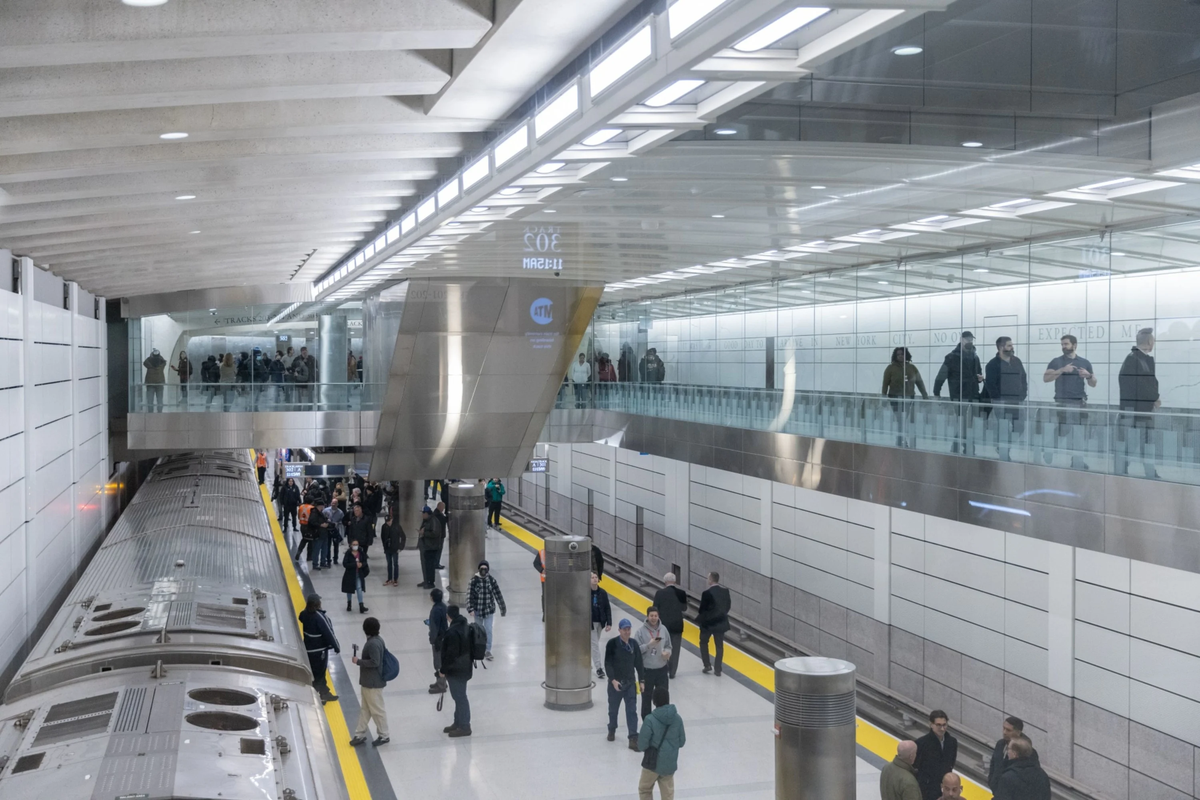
542,311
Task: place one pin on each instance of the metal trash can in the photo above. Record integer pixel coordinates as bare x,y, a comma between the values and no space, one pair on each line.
568,570
467,528
815,729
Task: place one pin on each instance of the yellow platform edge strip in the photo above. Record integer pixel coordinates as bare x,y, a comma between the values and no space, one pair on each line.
871,738
356,782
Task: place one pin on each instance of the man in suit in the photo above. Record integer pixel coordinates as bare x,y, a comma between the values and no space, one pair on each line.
937,752
713,620
1013,726
671,602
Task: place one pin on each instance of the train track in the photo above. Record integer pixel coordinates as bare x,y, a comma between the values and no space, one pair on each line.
877,704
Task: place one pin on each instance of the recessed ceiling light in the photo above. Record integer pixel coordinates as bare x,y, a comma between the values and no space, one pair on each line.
479,209
549,211
789,23
175,135
725,131
144,3
908,50
883,283
818,186
186,197
619,179
510,191
193,232
550,166
601,136
972,144
981,269
673,92
1117,254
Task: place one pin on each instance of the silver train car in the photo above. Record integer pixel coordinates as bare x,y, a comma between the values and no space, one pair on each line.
175,667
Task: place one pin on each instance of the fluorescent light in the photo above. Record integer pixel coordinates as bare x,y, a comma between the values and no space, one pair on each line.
725,131
393,234
176,135
1091,187
972,144
558,110
718,216
475,173
426,209
908,50
514,144
686,13
931,220
479,209
193,232
1008,203
621,61
186,197
673,92
144,3
408,223
600,137
549,211
380,243
369,250
447,194
883,283
789,23
549,166
619,179
981,269
509,191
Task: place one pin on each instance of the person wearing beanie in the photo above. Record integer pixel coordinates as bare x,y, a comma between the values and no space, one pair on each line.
483,596
438,622
319,639
623,666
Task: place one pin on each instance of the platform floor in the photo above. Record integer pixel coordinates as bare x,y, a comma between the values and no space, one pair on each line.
521,749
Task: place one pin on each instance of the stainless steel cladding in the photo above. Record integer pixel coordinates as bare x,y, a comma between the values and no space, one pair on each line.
467,529
814,720
190,732
568,622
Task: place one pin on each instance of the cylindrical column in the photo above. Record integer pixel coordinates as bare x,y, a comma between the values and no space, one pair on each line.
468,526
410,499
332,343
568,590
814,729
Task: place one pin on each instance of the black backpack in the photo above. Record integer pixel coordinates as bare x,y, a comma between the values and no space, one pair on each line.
477,641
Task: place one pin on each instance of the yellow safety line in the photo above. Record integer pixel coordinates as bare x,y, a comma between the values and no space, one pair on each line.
870,737
356,782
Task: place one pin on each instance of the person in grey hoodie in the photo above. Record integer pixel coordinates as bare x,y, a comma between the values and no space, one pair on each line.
655,643
370,679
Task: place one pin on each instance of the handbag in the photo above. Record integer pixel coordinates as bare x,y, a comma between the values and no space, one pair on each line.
650,756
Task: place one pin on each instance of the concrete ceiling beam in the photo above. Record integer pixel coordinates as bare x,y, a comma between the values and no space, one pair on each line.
85,249
160,187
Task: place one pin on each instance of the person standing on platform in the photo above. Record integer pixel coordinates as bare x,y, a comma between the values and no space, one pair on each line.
391,535
581,374
156,376
601,623
1013,727
952,787
597,561
441,519
1068,373
962,373
898,780
1138,394
184,372
322,529
354,579
371,682
483,596
291,503
261,465
1023,777
438,623
319,639
623,665
713,620
360,528
937,754
655,644
539,563
671,602
428,546
457,668
662,731
495,492
1007,386
333,513
309,512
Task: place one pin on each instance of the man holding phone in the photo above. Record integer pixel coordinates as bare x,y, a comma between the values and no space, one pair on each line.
623,664
655,644
1069,372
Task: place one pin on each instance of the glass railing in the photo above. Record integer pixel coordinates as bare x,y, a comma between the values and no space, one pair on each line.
175,397
1163,444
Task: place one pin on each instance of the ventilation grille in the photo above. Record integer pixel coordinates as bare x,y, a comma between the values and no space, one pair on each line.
131,710
76,719
814,710
180,615
28,763
214,616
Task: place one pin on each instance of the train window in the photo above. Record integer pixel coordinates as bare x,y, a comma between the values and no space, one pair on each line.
254,747
241,601
28,763
215,662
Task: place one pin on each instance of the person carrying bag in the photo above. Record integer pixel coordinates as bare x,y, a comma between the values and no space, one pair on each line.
660,739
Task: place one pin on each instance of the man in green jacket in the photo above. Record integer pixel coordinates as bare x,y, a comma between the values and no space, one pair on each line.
898,781
663,730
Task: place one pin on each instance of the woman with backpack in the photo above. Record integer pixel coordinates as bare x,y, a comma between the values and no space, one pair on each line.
354,580
660,738
371,681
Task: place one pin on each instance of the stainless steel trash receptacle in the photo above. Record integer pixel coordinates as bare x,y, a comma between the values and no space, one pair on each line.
568,570
814,729
467,529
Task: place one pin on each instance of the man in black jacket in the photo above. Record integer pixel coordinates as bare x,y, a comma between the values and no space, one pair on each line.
457,668
962,373
937,753
319,639
623,663
1139,394
1013,727
291,502
1023,777
671,602
601,622
1007,386
438,623
713,620
359,528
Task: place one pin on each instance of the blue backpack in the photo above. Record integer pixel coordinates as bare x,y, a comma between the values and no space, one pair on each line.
390,668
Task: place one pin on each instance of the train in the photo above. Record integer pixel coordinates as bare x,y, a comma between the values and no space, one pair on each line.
175,667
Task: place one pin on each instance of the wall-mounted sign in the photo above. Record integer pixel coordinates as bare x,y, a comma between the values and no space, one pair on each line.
539,465
293,470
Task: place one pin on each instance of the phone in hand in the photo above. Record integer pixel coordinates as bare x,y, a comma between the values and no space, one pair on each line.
356,651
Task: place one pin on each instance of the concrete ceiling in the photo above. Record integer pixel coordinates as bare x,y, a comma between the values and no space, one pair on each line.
308,125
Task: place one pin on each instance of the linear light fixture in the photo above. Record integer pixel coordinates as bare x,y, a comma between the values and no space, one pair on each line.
786,25
512,145
600,137
476,172
448,193
673,92
408,223
426,209
620,62
393,234
549,167
683,14
558,110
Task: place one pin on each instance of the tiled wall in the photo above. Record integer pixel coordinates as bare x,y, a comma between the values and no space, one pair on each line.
1099,655
54,461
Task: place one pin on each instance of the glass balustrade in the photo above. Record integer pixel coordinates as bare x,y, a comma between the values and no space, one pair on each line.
251,396
1163,444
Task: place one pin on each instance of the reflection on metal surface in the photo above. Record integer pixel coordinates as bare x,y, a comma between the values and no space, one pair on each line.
1002,509
474,373
145,305
200,431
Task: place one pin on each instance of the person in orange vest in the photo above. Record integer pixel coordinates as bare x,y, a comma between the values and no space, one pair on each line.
262,466
539,563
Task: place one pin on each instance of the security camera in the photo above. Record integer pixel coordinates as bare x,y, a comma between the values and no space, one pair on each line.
557,273
573,547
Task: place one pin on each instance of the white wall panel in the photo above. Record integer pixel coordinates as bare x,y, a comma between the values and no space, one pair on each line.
51,401
51,481
51,441
12,410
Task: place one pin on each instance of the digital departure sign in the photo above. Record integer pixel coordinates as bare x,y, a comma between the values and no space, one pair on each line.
549,248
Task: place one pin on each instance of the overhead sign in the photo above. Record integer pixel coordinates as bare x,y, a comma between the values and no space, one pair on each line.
539,465
293,470
550,248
